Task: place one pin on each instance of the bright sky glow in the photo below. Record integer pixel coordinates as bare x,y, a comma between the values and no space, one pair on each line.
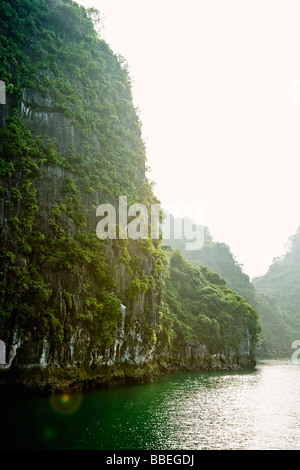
217,84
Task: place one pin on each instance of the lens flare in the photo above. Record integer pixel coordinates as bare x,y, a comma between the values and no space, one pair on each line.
49,433
66,403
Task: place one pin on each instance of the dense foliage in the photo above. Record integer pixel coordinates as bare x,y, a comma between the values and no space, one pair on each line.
278,322
52,47
32,252
282,282
55,271
198,307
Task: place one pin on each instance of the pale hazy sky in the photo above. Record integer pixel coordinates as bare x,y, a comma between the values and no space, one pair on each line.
217,83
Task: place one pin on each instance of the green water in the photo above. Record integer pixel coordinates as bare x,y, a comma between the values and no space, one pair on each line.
249,410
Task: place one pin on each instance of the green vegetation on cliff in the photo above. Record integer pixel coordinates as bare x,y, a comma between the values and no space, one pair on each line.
51,50
282,282
198,308
71,141
276,319
52,47
30,253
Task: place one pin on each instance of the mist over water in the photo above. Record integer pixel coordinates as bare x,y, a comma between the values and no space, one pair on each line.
259,409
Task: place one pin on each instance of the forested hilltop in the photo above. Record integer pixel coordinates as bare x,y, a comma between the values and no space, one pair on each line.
76,310
274,296
282,282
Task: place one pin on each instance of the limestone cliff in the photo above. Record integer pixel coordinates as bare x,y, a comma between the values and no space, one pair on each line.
76,310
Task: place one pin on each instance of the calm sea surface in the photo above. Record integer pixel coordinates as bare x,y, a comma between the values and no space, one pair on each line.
249,410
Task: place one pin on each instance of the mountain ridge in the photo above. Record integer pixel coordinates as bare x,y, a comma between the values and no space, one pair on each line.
277,330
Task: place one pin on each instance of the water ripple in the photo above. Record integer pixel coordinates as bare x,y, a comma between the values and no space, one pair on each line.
254,410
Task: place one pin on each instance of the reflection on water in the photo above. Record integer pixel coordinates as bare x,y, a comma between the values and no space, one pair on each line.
249,410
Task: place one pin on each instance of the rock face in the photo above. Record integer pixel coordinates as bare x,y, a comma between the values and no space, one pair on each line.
36,361
130,345
42,118
78,312
82,360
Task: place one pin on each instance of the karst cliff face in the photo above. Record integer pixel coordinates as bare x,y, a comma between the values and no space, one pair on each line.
83,275
76,309
70,300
